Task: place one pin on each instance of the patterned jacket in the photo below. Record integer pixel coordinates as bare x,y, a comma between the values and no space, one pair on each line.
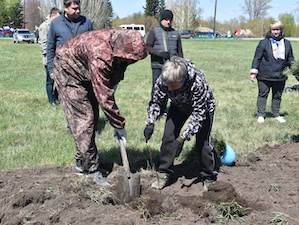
93,57
195,98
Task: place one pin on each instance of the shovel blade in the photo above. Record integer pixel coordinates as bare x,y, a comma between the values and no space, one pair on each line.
128,189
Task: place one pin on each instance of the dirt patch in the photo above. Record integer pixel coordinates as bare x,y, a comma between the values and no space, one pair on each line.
264,182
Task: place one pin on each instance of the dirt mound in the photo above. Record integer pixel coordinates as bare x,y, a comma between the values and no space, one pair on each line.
264,184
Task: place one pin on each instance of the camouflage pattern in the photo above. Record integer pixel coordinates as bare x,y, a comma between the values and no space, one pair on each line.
86,68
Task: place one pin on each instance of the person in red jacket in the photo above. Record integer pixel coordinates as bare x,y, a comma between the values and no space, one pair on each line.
86,69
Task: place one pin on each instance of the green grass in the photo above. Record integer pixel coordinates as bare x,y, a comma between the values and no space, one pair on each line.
32,133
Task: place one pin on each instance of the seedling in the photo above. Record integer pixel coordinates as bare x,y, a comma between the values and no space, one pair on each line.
279,219
142,208
231,211
102,196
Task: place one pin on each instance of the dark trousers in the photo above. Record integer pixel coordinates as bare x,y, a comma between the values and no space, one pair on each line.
51,91
174,123
264,89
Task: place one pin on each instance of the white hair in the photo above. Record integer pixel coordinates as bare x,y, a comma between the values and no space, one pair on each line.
174,71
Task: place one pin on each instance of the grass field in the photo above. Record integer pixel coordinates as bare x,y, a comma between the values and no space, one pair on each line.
33,133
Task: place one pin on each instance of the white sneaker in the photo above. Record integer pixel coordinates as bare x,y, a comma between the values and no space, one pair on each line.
260,119
280,119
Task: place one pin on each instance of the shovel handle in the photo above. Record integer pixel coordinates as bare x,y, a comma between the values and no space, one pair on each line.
124,157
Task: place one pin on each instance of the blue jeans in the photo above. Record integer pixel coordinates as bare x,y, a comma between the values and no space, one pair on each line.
51,91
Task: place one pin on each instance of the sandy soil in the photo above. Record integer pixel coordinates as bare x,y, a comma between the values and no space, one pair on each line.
265,183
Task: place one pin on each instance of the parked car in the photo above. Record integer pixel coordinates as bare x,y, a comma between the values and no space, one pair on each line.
187,34
23,35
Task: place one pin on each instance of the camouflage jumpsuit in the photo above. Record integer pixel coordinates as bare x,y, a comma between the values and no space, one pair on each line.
86,68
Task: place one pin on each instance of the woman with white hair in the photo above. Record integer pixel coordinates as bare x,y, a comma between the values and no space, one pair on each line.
190,96
272,56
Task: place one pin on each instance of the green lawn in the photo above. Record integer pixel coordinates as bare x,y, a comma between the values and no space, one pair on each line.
33,133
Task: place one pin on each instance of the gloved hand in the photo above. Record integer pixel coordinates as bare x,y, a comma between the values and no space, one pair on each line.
165,55
148,131
177,145
121,134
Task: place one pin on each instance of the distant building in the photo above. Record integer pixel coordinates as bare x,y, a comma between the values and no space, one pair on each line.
205,32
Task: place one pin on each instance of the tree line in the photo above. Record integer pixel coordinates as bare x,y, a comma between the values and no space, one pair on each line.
188,15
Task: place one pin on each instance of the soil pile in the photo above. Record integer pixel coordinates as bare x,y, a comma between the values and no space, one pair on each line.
263,185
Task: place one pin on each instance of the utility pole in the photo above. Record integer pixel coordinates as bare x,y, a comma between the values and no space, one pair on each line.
215,19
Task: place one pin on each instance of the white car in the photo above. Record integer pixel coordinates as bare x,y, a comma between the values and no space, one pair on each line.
23,35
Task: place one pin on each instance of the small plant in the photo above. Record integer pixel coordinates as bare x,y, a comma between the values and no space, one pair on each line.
142,208
279,219
102,196
294,69
231,211
178,217
274,187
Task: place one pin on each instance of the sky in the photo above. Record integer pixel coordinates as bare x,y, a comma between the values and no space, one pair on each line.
226,9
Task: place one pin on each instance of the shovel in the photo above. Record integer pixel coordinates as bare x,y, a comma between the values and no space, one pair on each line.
131,183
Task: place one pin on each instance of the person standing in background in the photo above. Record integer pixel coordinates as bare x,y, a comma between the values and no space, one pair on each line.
64,27
162,43
272,56
43,31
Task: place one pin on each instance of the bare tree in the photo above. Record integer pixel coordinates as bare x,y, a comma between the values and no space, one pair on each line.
256,9
186,13
98,11
32,16
46,5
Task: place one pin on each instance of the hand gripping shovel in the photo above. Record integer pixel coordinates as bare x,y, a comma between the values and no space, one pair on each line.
131,183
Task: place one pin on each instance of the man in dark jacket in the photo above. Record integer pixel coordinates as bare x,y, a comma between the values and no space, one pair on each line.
162,43
272,56
86,69
66,26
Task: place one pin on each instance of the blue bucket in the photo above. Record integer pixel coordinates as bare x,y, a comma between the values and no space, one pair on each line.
229,156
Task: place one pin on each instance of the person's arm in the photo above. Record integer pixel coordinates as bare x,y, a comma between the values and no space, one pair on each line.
258,55
200,107
51,48
290,56
180,48
43,33
158,102
150,43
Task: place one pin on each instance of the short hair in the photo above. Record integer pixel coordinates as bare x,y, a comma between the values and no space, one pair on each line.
174,71
54,11
67,3
276,24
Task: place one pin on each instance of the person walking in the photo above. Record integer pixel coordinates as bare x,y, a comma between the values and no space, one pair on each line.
272,56
163,42
86,70
192,97
43,37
